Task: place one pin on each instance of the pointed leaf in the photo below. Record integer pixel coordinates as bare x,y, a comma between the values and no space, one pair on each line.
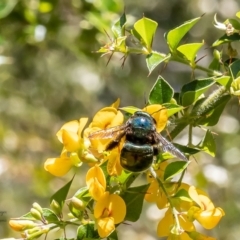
50,216
174,36
161,92
144,30
126,178
172,108
174,168
130,109
134,200
226,39
191,91
154,59
87,231
235,68
118,28
183,195
208,144
190,51
224,81
61,195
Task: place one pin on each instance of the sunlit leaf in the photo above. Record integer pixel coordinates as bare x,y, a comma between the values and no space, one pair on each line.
175,35
189,51
208,144
161,92
174,168
6,6
224,81
183,195
118,28
172,108
61,195
154,59
192,90
226,39
144,30
130,109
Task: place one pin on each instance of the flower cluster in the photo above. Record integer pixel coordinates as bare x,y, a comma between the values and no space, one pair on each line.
103,201
184,204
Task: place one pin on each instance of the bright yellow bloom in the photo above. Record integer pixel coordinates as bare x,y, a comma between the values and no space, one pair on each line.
109,210
159,113
59,166
168,220
205,212
96,182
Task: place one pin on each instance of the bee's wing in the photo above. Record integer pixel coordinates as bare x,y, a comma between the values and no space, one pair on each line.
112,132
166,146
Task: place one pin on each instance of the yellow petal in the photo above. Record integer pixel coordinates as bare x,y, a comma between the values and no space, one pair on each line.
117,207
70,140
116,104
165,224
209,219
58,166
96,182
102,205
105,226
113,166
96,172
82,123
71,126
159,113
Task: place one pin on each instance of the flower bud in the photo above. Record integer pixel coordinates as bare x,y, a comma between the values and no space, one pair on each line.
21,225
37,207
36,214
55,207
77,203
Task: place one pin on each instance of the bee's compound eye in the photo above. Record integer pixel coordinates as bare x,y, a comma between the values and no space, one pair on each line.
135,157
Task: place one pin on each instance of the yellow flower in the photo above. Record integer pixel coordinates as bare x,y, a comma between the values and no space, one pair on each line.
205,212
168,220
109,210
96,182
159,113
59,166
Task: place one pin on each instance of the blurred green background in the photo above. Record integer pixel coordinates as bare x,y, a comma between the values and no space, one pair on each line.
49,75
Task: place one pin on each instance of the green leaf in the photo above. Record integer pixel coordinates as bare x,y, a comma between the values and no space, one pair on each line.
50,216
235,23
174,36
134,201
130,109
118,28
6,6
212,116
183,195
235,68
190,51
61,195
174,168
172,108
226,39
187,150
83,194
224,81
127,178
144,30
113,236
87,231
161,92
208,144
191,91
154,59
